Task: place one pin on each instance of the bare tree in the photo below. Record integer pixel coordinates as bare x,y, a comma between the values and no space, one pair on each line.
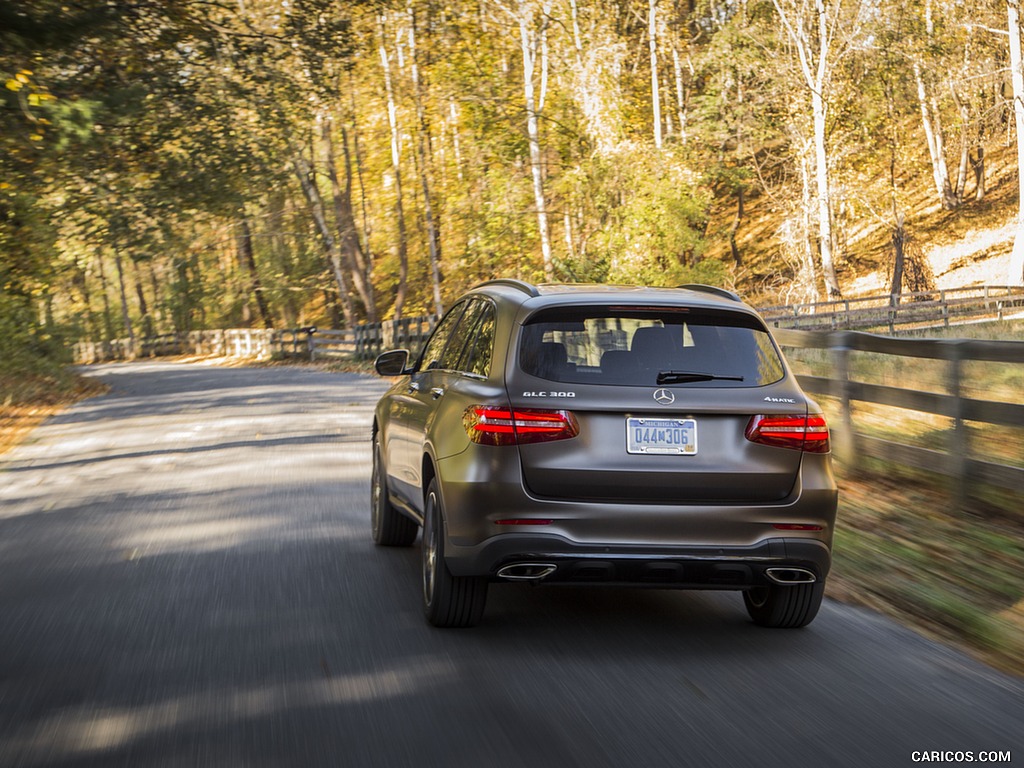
811,28
433,238
652,39
345,219
396,170
533,46
305,173
247,260
931,121
1016,272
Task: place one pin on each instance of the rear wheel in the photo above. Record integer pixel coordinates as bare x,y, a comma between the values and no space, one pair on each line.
786,606
448,601
390,528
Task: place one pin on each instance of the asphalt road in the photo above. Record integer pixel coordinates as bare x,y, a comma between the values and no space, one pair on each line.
187,579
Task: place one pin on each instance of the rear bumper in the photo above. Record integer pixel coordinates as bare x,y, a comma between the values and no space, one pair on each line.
682,567
670,544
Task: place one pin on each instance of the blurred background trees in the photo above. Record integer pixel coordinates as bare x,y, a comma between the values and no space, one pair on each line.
169,165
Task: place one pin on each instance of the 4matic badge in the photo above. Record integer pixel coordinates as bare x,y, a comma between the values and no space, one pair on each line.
780,400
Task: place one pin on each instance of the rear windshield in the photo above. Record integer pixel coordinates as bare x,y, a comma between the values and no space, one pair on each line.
649,346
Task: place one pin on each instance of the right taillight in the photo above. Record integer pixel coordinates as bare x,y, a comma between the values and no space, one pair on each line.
801,433
494,425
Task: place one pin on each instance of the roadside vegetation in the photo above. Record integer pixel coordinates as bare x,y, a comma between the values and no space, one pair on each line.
904,546
31,393
904,549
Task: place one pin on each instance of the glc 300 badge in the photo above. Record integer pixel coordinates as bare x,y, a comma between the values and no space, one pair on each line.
664,397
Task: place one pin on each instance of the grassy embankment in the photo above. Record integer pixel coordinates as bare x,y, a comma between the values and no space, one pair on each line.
31,393
902,545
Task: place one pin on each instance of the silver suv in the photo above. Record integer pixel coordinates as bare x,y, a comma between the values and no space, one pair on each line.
591,434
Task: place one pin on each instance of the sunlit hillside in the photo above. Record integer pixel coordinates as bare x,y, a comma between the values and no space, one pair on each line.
964,247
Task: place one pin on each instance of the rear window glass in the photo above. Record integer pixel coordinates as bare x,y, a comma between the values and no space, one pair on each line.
650,346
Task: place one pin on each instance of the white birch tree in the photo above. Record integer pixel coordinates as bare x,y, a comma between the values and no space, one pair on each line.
1016,271
812,27
533,46
396,170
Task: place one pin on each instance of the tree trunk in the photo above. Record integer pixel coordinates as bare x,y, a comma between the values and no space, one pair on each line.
898,240
978,166
680,94
363,206
1016,271
453,111
817,74
304,172
824,199
433,238
965,152
108,323
652,37
125,316
736,227
345,220
247,258
396,169
932,125
528,40
140,293
159,317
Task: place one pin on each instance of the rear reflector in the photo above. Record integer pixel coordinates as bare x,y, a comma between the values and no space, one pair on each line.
490,425
796,527
801,433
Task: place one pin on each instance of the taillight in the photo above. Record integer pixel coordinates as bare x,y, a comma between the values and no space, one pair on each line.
802,433
490,425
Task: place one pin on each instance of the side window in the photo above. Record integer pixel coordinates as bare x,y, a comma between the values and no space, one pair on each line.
434,350
479,351
453,353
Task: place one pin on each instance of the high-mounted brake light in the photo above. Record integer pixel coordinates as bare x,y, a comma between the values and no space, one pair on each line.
801,433
490,425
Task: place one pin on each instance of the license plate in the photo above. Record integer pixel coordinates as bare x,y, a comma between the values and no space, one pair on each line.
661,436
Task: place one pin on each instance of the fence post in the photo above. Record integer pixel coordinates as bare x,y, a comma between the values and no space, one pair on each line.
959,436
846,440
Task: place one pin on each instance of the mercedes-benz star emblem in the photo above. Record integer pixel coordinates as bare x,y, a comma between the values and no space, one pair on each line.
664,397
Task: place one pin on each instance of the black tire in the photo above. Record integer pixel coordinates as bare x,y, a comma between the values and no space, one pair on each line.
389,527
787,607
448,601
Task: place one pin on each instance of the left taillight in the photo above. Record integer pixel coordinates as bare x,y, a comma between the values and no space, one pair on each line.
801,433
490,425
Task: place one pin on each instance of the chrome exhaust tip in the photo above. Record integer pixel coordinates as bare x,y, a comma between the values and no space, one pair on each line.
790,575
526,571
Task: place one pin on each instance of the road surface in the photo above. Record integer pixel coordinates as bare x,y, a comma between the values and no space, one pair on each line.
187,579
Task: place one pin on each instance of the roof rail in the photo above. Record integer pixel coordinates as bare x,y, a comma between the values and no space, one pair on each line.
712,289
521,285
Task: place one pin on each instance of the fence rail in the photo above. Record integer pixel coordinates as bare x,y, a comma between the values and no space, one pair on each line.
362,342
952,459
894,311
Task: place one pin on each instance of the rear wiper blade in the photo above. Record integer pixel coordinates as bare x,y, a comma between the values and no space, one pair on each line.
685,377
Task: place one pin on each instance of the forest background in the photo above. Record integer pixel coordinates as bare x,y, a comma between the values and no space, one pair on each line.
173,165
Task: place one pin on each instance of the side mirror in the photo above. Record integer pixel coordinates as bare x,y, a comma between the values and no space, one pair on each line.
392,363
